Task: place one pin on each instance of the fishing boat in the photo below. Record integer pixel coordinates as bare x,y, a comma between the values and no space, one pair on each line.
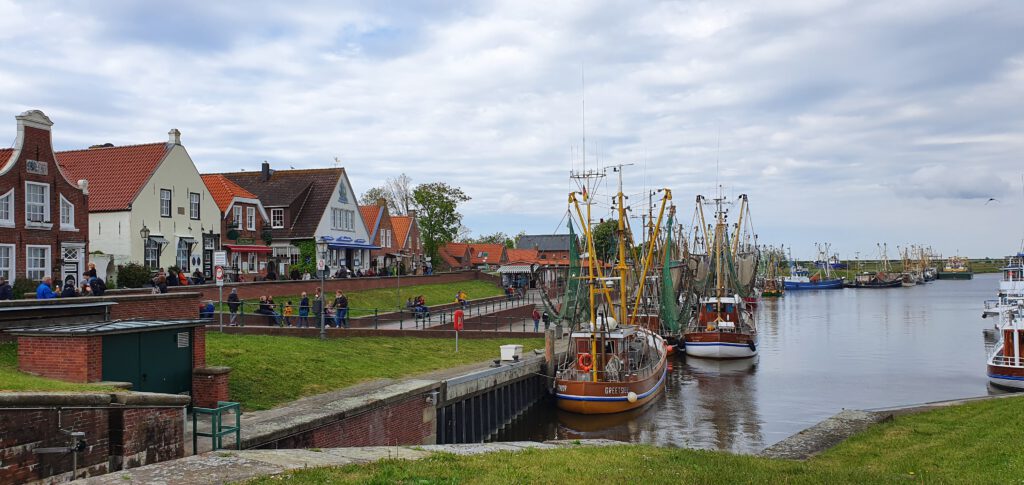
612,364
772,285
956,268
723,326
1006,362
883,278
1011,285
801,279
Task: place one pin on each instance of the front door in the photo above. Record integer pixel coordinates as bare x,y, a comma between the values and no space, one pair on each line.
72,264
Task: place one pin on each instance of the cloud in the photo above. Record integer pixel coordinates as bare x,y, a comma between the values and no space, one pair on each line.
944,182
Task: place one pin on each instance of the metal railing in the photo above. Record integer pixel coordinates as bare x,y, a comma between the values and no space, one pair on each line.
1008,361
218,430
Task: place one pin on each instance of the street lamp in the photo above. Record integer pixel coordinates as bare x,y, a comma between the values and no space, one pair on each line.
322,246
144,232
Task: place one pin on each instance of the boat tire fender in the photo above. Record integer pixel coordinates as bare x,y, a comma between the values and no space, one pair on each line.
752,345
585,361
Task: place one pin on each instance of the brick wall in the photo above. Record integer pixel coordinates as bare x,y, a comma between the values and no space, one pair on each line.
367,332
169,306
411,421
198,347
253,290
140,436
210,385
137,306
75,359
116,436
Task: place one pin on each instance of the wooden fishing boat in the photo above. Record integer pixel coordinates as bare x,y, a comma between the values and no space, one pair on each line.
611,367
956,268
870,279
1006,362
722,327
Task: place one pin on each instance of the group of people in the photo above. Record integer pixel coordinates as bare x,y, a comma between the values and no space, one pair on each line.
285,315
418,306
91,285
164,279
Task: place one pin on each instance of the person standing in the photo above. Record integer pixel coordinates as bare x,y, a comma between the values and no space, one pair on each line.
340,309
547,321
536,320
288,312
233,304
160,281
6,291
45,289
318,308
304,311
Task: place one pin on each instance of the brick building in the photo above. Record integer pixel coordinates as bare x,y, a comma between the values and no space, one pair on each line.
382,234
407,233
44,216
244,224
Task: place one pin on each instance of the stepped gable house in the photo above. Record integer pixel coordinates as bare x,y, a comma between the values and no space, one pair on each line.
147,205
310,205
44,216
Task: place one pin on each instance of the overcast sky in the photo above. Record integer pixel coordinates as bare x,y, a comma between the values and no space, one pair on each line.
849,122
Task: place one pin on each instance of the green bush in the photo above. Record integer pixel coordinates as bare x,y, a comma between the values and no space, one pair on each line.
24,288
132,275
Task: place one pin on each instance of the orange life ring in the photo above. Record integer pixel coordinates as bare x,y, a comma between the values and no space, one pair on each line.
585,361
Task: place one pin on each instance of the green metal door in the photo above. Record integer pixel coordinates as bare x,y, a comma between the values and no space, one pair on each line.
166,361
121,359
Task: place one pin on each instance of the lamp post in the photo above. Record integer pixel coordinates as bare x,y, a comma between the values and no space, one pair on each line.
322,246
144,232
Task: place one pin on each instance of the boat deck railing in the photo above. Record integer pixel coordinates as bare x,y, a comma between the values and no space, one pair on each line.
575,374
1005,361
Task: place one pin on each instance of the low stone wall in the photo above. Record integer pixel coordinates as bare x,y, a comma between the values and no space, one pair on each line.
121,431
368,332
128,306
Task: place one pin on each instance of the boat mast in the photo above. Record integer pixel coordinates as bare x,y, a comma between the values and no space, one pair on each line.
621,266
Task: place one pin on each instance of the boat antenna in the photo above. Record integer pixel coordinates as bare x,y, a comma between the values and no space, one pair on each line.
583,110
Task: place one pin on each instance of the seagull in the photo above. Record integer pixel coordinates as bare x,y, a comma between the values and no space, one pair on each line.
991,199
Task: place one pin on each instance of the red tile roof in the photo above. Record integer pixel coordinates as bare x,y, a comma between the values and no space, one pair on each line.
402,225
523,255
494,252
306,192
224,190
5,153
452,253
115,174
371,217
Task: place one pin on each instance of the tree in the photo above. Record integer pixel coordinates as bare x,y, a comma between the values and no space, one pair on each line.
496,238
515,240
373,194
605,242
439,218
396,191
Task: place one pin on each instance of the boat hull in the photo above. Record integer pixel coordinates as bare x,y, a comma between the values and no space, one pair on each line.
955,275
887,284
584,397
1006,376
720,345
833,284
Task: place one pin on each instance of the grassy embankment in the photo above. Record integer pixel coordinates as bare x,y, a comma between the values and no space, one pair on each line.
972,443
386,299
11,379
267,371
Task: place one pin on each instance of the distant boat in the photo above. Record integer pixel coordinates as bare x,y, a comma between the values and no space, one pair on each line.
956,268
800,278
875,280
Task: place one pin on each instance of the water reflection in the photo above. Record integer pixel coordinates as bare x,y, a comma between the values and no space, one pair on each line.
820,352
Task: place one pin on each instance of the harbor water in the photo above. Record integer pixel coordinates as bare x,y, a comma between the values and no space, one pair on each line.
820,352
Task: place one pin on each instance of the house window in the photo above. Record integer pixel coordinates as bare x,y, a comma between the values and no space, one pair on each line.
237,210
165,203
7,261
193,205
181,258
342,220
385,237
276,218
151,254
7,208
250,218
37,262
67,214
37,202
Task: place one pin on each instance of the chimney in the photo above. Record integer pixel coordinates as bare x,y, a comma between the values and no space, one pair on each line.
174,137
412,213
265,171
382,202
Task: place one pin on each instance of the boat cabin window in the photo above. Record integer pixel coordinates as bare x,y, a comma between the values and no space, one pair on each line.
583,346
710,308
609,347
728,308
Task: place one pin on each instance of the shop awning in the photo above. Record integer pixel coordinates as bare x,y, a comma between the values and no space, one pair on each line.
240,248
350,245
158,239
516,268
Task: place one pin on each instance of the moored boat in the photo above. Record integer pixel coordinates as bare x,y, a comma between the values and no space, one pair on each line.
956,268
1005,366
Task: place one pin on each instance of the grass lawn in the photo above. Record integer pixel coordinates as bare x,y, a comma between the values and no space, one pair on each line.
11,379
386,300
973,443
267,371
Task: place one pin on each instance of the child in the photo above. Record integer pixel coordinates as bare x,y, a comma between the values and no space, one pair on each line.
288,314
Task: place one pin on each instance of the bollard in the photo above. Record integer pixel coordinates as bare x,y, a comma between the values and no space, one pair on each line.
375,319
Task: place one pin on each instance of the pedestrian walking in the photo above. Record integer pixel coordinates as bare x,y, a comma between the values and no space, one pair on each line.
340,309
304,311
233,303
536,320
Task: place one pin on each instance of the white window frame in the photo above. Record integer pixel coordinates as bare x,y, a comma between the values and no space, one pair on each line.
193,205
8,272
7,202
46,270
250,218
151,247
182,254
277,218
169,198
237,216
336,218
45,203
70,213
